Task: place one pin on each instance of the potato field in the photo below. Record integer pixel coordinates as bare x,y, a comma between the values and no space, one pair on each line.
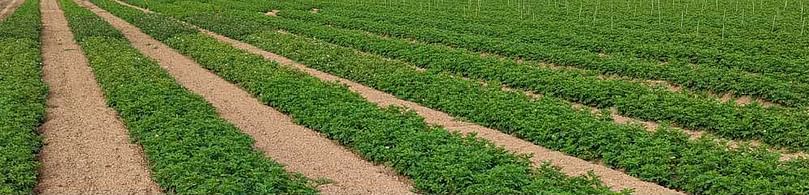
404,97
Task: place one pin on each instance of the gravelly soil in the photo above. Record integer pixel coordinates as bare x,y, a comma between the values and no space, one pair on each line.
7,7
570,165
86,147
300,149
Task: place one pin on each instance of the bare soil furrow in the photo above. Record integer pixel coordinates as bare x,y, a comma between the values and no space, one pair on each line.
86,148
300,149
134,7
8,7
569,165
653,126
742,100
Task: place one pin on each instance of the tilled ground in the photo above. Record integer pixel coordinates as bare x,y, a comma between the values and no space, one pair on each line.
298,148
86,148
570,165
7,7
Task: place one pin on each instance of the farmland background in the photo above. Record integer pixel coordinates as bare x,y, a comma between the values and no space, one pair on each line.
404,96
766,37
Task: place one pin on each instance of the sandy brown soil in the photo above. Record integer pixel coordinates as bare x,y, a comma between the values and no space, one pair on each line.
300,149
653,126
272,13
570,165
616,117
693,134
4,7
739,100
7,7
86,147
134,7
722,97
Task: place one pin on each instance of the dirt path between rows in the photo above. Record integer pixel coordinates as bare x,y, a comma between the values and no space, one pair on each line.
743,100
569,165
86,148
652,126
300,149
133,7
8,7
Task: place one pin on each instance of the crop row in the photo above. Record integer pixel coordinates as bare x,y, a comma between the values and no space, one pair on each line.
436,160
776,126
22,99
632,99
756,17
667,156
742,47
191,150
781,59
557,51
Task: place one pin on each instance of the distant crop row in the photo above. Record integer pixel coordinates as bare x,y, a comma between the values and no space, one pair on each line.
437,161
738,18
191,150
558,48
666,157
775,126
22,99
730,42
632,99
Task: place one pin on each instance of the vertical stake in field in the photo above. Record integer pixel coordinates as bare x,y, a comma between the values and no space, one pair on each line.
519,7
595,12
772,29
581,8
659,15
743,12
478,13
699,16
682,17
724,15
803,22
612,15
753,11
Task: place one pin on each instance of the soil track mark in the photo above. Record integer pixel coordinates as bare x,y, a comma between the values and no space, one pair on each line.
570,165
8,7
86,148
298,148
739,100
653,126
272,13
144,10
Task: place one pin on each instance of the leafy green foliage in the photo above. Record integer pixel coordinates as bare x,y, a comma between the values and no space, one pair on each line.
22,99
190,149
24,23
437,161
757,63
666,157
776,126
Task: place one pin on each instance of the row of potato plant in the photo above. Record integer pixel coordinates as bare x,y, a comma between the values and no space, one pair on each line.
436,160
780,127
667,156
679,72
190,149
779,57
22,99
